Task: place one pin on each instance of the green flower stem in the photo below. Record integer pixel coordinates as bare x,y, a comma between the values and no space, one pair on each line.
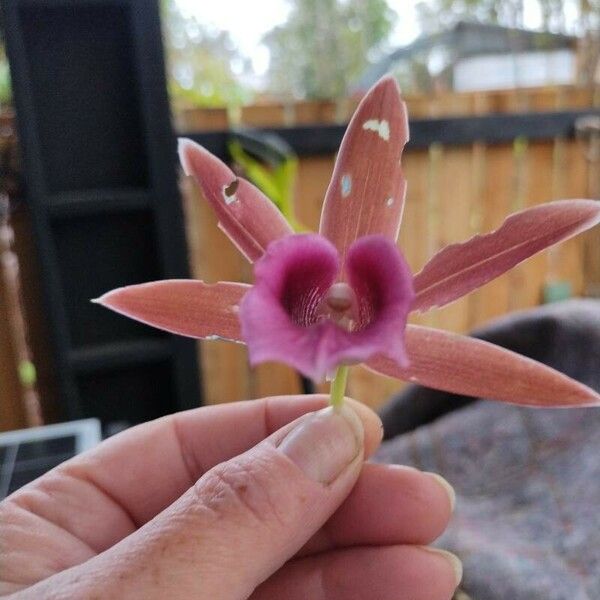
338,387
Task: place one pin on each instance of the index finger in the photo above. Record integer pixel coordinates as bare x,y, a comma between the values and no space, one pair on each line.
130,478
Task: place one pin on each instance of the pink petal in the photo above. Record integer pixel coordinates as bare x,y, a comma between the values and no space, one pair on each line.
463,365
245,214
461,268
184,306
367,189
283,318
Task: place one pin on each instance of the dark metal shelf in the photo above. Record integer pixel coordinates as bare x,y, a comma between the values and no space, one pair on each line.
93,202
120,354
97,152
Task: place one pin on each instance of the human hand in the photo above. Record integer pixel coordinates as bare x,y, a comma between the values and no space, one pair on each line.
248,500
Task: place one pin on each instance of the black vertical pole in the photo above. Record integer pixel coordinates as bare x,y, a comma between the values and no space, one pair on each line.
98,157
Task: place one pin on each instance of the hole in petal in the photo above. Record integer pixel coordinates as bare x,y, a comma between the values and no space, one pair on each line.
346,185
230,190
381,128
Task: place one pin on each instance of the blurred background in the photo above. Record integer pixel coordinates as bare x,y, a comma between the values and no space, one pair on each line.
504,101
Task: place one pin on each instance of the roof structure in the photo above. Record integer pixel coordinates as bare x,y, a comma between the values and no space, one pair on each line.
467,39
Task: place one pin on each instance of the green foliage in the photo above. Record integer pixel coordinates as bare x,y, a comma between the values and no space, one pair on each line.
27,373
276,183
325,44
200,62
557,291
5,87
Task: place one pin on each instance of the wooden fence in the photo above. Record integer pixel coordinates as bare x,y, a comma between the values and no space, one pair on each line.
454,191
12,413
15,407
274,114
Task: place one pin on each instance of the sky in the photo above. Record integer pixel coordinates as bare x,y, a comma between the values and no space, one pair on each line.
247,21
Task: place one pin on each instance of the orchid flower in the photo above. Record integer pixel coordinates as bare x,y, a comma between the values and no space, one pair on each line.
321,302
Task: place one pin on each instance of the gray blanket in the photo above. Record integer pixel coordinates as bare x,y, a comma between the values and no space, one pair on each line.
527,522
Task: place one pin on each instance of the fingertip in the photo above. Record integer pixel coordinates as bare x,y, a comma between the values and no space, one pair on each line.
452,562
367,572
399,504
445,485
372,425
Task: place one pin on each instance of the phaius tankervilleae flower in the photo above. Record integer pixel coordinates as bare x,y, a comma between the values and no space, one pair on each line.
342,296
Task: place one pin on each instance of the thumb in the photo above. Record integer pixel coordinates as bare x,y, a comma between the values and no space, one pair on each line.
246,517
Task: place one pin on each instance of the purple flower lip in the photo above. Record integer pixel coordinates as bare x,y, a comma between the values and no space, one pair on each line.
311,312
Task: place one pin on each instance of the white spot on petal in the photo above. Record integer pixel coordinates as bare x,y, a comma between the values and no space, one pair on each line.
389,201
220,338
213,338
381,128
346,185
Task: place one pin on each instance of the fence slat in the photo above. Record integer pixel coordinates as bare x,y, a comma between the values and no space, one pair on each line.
492,300
12,414
223,365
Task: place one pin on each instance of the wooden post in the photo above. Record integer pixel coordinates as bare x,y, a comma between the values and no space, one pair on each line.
16,327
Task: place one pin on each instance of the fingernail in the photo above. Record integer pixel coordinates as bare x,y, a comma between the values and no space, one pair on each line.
452,559
324,443
447,488
406,468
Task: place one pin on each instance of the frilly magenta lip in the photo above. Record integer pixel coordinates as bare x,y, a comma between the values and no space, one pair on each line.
298,312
